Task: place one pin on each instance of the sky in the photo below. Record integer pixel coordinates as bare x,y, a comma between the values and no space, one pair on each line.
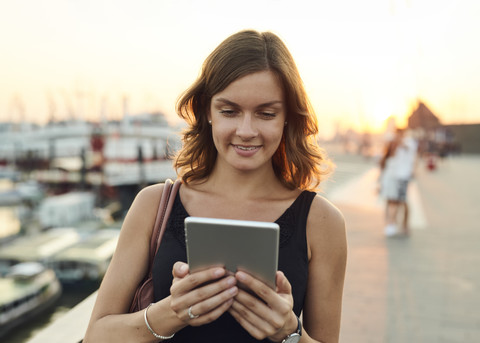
361,61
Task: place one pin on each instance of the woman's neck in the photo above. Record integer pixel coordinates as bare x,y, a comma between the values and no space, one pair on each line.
244,185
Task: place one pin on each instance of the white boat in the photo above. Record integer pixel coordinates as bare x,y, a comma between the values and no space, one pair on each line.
9,196
27,290
66,209
67,147
9,172
12,193
87,260
36,248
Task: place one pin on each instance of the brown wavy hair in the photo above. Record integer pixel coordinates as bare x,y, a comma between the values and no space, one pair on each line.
299,162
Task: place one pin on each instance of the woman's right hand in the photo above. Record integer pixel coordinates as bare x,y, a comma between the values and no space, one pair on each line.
201,297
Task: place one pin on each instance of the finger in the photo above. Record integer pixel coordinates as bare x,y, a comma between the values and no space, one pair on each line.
258,313
257,329
194,280
253,303
180,269
259,288
181,301
212,315
207,310
283,285
208,291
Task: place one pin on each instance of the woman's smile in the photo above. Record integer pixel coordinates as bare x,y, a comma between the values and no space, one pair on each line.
246,150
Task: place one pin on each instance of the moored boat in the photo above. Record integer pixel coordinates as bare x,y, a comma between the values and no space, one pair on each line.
87,260
27,290
36,248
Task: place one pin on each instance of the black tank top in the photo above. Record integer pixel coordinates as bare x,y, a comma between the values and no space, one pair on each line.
293,262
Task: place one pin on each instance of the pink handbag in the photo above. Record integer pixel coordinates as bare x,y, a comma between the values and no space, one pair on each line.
144,293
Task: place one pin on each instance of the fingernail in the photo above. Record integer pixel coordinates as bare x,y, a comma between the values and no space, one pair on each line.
233,290
241,276
231,281
183,268
218,272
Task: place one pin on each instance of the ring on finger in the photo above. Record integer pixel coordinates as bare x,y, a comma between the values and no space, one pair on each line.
191,315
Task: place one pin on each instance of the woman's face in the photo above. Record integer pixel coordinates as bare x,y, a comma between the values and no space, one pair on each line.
248,118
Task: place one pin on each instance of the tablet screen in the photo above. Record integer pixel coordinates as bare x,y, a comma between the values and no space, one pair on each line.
250,246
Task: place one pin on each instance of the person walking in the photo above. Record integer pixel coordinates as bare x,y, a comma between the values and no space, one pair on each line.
397,168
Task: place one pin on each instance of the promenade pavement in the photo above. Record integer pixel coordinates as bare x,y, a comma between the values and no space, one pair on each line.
424,288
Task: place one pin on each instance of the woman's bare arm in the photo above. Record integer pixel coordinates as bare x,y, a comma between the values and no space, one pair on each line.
110,320
327,244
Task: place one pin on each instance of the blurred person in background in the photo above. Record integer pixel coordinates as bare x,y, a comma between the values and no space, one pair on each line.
397,169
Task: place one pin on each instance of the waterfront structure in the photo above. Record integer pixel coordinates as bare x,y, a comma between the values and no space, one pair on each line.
136,149
87,260
40,247
27,290
66,209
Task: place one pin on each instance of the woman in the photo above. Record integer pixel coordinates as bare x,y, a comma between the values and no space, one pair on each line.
249,153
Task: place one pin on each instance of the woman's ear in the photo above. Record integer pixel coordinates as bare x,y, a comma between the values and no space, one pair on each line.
209,116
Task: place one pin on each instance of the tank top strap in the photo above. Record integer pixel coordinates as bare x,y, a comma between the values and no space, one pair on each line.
302,206
294,219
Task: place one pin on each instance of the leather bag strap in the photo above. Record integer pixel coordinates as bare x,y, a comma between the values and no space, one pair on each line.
164,208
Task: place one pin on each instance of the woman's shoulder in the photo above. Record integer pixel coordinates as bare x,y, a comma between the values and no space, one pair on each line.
144,208
150,193
322,204
325,217
326,232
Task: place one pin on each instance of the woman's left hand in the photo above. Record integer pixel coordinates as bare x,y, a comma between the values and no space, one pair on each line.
273,317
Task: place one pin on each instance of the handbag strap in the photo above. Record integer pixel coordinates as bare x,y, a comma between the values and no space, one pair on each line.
164,208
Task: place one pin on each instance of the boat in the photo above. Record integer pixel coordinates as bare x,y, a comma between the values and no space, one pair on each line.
26,291
19,193
136,149
9,172
10,223
38,247
9,196
10,203
86,261
66,209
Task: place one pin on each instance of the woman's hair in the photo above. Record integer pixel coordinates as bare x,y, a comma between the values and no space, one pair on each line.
298,161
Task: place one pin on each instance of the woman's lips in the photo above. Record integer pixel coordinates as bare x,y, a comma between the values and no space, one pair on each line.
246,150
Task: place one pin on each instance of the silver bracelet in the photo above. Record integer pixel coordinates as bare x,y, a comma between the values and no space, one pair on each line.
151,330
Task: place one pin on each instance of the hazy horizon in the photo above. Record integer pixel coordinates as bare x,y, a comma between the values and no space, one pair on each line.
361,62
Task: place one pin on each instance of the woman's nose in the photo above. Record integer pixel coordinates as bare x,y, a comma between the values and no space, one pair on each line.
246,127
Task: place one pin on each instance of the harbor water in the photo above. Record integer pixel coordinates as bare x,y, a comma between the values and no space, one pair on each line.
70,297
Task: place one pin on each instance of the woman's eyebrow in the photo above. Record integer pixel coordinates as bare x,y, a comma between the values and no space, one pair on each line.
225,101
231,103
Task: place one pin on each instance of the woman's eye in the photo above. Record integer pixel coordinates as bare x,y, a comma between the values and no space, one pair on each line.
268,114
227,112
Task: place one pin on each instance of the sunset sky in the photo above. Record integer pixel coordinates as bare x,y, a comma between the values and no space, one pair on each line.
361,61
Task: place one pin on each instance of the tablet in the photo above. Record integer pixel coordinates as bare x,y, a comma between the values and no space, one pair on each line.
250,246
